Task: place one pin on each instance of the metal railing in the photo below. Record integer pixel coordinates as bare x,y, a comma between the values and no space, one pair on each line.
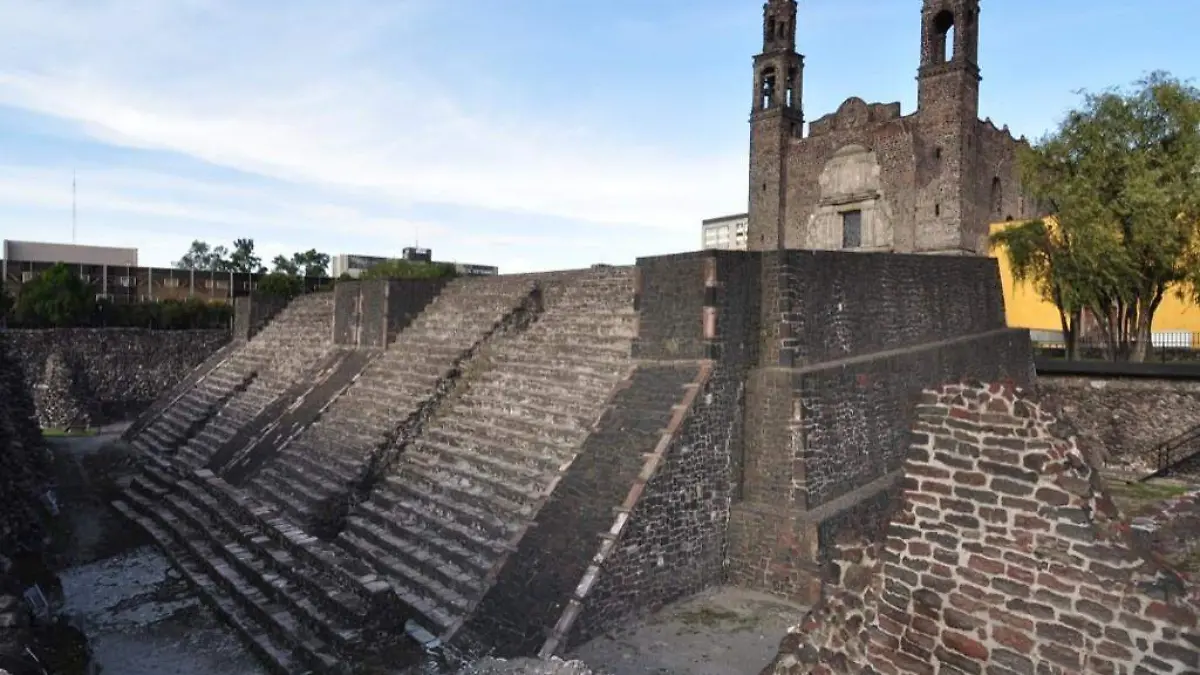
1166,347
1174,450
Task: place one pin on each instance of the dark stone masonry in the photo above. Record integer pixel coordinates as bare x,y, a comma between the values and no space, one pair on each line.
1004,555
25,476
1126,418
533,460
114,374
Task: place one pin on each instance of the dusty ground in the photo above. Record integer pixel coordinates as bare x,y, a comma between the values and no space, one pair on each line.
724,631
139,615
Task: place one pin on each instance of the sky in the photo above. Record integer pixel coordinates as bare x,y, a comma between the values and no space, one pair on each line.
528,134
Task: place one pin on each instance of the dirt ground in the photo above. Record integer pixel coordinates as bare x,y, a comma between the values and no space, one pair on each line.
723,631
140,617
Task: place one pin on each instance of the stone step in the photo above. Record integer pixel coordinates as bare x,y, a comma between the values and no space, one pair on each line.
510,352
476,529
282,624
531,473
433,608
509,425
540,454
472,404
579,402
397,361
333,469
313,483
293,499
511,371
277,655
482,492
432,562
257,571
346,607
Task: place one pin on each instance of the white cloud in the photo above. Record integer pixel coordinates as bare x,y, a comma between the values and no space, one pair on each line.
297,96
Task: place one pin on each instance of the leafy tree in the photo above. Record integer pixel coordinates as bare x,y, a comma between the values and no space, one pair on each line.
310,263
284,265
201,257
281,284
243,258
57,297
1121,178
409,269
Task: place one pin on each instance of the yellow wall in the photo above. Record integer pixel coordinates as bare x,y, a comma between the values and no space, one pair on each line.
1026,309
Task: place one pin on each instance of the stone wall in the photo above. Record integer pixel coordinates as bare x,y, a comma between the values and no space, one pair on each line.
849,341
671,542
25,471
121,371
516,615
1005,555
252,312
370,314
1127,417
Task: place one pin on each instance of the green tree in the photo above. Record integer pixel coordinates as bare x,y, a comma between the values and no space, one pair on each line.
281,284
1121,176
57,297
201,257
284,265
243,258
310,263
409,269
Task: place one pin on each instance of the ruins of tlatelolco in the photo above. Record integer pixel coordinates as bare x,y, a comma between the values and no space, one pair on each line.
513,465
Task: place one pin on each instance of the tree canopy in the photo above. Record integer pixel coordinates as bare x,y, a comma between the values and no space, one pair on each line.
56,297
1120,177
409,269
310,263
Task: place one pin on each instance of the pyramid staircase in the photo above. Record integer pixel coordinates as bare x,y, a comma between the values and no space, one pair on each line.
338,454
440,526
193,427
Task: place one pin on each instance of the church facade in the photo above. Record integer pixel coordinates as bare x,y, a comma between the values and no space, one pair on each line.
867,177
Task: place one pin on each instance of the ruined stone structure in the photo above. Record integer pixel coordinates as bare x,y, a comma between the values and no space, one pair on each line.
514,464
25,476
1004,556
114,374
867,177
1128,418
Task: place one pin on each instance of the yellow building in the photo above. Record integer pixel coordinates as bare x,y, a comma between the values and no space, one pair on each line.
1026,309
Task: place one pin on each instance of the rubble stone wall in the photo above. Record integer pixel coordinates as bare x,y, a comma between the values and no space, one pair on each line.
1005,556
1127,417
25,470
118,373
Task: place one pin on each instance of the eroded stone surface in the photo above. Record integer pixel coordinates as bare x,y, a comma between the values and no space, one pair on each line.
1124,418
125,370
1006,553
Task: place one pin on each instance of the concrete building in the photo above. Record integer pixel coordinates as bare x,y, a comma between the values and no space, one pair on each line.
726,232
354,265
72,254
868,178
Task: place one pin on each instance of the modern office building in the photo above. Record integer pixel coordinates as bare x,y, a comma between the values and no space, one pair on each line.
726,232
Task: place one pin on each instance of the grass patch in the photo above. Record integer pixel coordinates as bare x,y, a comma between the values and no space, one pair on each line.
708,617
68,433
1138,498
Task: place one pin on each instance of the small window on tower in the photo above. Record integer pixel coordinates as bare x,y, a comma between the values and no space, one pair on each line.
852,229
937,209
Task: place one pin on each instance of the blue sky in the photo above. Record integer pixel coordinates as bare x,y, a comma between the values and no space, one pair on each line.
531,134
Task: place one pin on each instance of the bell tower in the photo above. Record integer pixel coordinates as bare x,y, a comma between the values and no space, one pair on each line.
776,116
948,109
